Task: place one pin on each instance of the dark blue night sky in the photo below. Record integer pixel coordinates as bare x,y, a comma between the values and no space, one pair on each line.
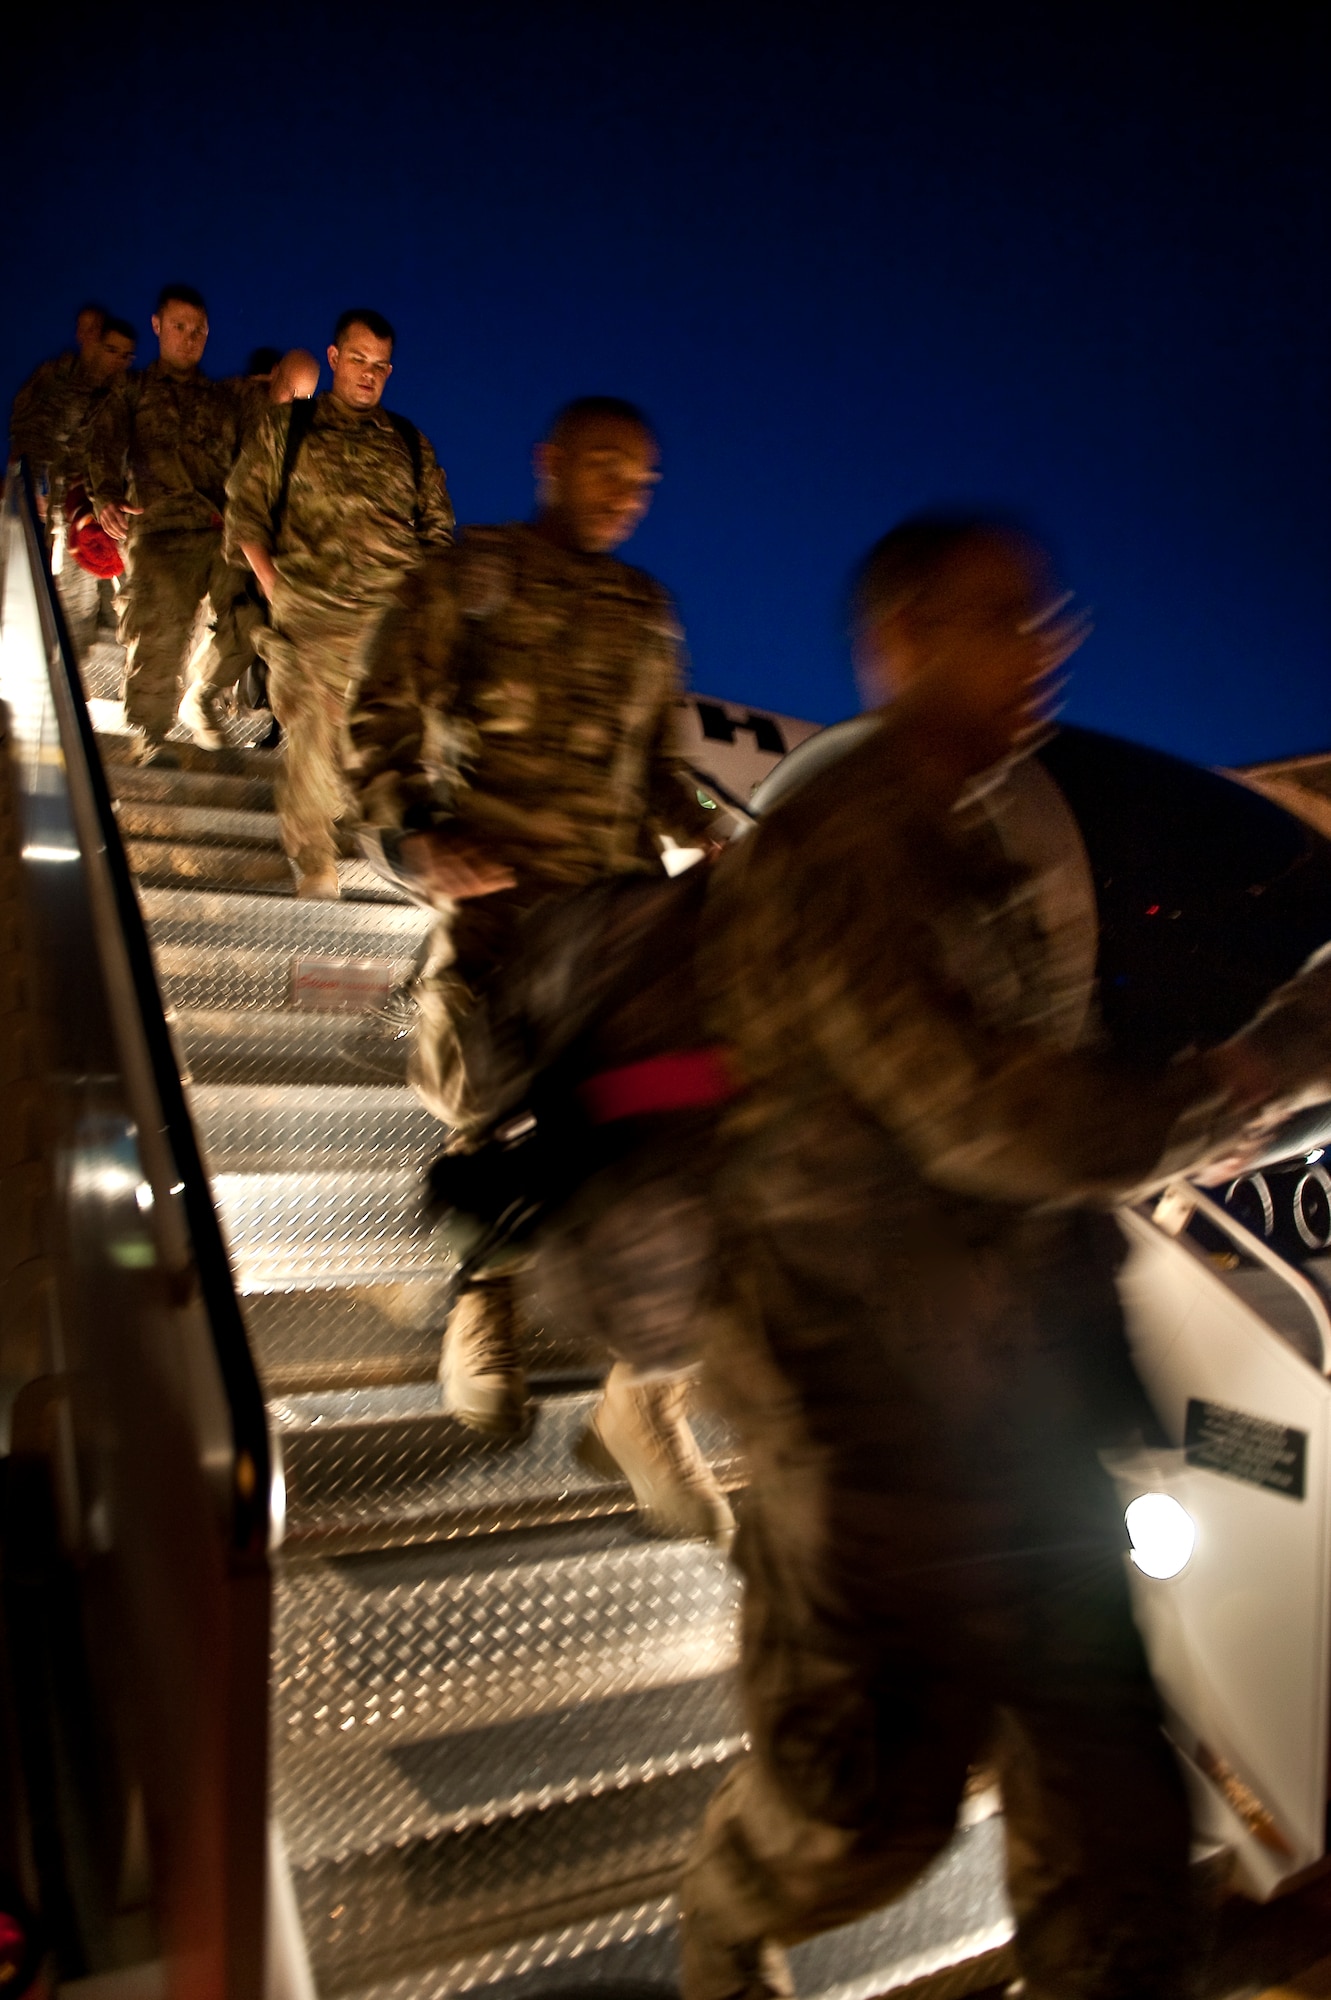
1073,267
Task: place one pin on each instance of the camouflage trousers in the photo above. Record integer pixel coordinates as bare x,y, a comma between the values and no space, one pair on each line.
88,602
313,664
168,576
907,1615
464,952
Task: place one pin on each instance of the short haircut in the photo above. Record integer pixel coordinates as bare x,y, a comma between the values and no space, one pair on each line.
263,361
373,322
184,295
912,554
92,306
585,410
114,324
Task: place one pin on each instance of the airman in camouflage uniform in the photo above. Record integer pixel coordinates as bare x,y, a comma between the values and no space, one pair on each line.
511,739
918,1337
52,404
270,378
159,451
330,532
48,426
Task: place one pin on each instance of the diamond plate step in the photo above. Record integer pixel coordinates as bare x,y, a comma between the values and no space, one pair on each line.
219,921
303,1127
218,952
453,1782
401,1908
293,1231
261,1046
361,1337
181,754
152,784
948,1936
171,819
374,1470
396,1648
259,869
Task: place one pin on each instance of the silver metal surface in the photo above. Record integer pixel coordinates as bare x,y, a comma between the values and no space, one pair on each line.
161,819
366,1125
406,1906
260,869
497,1708
201,916
288,1231
399,1646
948,1936
258,1046
634,1945
450,1783
205,977
385,1468
153,785
118,748
349,1338
360,1336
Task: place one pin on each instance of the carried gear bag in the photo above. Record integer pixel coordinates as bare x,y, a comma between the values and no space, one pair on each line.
591,1047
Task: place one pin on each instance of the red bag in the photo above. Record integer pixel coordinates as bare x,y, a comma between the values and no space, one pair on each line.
85,539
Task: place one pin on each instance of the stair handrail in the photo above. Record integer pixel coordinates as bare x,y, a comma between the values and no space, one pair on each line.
184,1217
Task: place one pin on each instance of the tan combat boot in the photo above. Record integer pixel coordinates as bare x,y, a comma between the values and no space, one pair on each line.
203,711
713,1966
318,881
482,1381
640,1432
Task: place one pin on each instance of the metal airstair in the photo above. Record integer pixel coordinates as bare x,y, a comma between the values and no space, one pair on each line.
497,1708
493,1708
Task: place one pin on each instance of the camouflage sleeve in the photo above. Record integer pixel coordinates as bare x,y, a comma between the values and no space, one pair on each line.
409,681
848,961
436,509
32,420
108,449
251,491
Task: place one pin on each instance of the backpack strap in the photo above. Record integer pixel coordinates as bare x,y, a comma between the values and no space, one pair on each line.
298,429
411,438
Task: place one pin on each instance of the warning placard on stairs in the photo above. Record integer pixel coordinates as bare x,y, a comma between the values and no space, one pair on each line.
339,985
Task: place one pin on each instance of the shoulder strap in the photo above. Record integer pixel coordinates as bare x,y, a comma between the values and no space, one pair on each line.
411,438
299,428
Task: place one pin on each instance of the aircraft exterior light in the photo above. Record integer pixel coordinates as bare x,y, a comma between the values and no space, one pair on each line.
1163,1534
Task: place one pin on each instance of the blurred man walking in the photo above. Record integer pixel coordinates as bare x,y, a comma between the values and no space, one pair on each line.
511,741
919,1340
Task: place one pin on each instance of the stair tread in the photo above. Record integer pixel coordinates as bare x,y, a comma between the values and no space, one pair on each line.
266,869
259,1046
498,1708
410,1473
303,1127
375,1797
357,1336
403,1645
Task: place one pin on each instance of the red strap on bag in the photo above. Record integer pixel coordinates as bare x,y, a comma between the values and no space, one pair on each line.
680,1080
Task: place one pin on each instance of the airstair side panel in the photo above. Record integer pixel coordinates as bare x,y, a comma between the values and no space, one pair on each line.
1239,1636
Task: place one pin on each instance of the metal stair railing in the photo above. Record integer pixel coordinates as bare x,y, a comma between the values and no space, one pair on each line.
169,1468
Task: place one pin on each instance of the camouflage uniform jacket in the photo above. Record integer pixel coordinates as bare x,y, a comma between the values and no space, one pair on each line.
525,693
912,1288
49,415
354,521
165,443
